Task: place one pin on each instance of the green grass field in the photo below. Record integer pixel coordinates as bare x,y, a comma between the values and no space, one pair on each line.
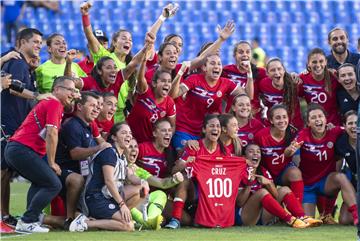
283,233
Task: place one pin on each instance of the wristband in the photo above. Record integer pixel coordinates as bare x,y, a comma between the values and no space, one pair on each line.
85,20
122,203
249,76
180,72
162,18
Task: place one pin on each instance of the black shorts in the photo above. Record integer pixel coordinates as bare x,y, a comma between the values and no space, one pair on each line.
101,207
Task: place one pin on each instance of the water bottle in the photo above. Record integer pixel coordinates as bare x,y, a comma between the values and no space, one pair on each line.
171,12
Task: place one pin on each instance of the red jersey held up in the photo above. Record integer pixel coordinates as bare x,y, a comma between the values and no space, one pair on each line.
317,155
48,113
218,180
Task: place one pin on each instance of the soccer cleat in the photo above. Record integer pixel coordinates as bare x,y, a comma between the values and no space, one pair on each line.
67,223
79,224
312,221
4,228
173,224
22,227
298,223
154,223
10,221
328,219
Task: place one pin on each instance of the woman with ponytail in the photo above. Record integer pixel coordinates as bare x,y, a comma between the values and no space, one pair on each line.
319,85
280,88
276,143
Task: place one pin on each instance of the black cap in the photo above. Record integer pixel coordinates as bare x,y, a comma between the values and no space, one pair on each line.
100,35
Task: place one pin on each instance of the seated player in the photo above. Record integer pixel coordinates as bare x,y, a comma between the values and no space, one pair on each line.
157,199
258,199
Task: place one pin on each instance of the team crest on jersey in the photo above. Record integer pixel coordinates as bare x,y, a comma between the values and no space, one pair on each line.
162,113
330,144
251,136
112,206
219,93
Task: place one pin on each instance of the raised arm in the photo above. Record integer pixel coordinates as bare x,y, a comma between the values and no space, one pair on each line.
71,55
142,85
224,34
175,86
167,12
140,56
92,40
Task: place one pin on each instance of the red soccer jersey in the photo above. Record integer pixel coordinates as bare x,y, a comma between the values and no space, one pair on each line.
94,129
232,72
230,149
255,184
105,125
272,152
218,179
150,73
91,84
317,155
152,160
201,99
151,63
247,132
314,92
86,65
146,112
49,113
272,96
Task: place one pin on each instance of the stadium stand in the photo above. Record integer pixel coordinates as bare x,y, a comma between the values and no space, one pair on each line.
287,29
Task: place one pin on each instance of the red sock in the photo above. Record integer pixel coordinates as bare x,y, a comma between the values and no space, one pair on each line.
292,205
297,188
353,211
325,205
321,204
329,205
273,207
178,206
